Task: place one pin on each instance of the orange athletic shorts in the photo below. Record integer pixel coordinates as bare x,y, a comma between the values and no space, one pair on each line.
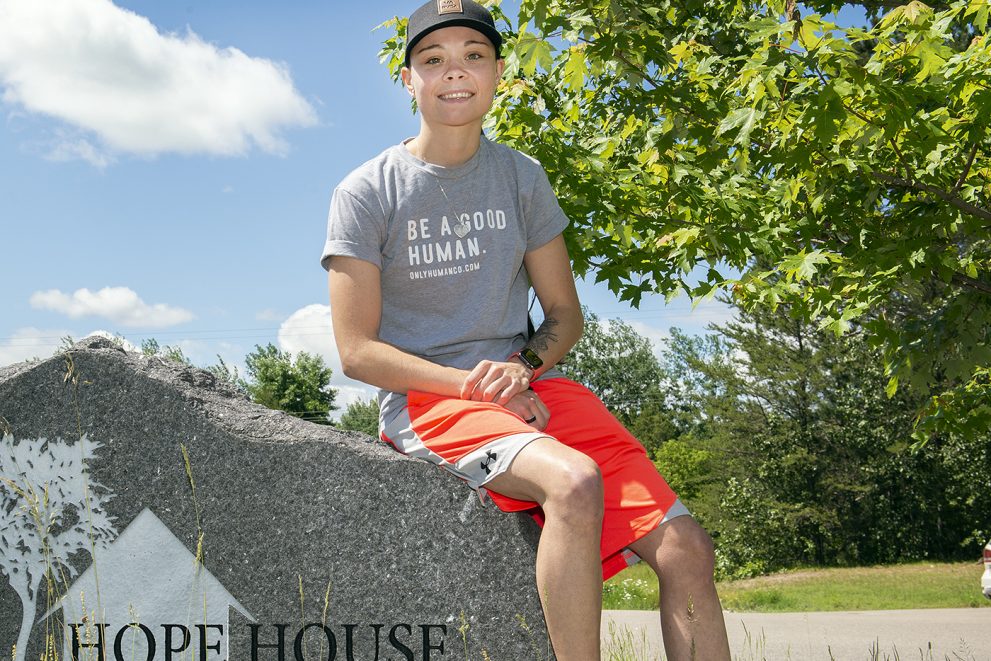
479,440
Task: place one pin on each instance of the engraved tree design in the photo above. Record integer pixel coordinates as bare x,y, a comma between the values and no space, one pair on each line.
49,511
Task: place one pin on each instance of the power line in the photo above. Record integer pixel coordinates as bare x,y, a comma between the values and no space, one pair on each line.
237,333
263,331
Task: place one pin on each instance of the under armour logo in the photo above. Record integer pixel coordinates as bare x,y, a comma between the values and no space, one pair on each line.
489,458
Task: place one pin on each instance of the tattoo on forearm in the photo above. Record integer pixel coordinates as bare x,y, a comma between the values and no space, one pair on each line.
544,335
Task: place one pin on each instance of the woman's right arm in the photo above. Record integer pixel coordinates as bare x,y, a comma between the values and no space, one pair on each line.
356,311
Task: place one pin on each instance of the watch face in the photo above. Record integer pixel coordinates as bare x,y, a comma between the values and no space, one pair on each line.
531,357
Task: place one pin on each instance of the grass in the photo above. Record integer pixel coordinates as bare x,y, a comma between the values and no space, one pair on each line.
623,644
893,587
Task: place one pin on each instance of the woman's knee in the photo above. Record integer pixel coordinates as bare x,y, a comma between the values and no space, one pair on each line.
576,492
692,545
679,547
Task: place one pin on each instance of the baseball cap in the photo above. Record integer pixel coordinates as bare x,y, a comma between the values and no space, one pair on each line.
437,14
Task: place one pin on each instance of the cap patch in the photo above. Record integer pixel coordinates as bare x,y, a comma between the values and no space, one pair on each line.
449,7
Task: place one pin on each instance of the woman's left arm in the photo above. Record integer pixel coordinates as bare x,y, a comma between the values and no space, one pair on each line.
550,274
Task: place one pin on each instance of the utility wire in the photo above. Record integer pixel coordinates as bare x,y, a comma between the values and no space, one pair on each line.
238,333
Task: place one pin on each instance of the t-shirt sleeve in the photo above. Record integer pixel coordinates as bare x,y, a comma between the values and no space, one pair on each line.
545,218
354,229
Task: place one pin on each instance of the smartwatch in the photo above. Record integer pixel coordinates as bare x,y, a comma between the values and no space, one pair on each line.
529,358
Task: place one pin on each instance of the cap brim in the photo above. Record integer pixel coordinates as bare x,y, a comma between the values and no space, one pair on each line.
490,33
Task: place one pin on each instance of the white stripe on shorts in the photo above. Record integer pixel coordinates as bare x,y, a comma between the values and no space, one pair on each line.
476,468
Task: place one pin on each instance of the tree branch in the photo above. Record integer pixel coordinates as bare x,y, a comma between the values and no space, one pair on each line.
950,198
853,111
788,49
901,159
966,169
972,283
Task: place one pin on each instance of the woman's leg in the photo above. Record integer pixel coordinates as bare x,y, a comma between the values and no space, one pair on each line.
680,553
568,486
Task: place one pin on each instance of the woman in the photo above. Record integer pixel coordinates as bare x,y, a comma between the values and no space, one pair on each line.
432,247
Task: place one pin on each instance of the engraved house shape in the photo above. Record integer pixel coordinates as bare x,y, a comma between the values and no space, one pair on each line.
147,576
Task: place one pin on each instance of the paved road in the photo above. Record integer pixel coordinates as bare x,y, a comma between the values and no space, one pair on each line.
956,634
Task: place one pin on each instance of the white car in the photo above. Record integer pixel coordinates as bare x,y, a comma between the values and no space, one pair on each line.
986,579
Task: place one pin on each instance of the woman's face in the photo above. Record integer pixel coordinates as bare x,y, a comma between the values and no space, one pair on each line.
453,75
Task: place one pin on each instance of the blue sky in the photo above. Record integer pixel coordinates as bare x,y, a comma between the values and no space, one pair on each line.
167,167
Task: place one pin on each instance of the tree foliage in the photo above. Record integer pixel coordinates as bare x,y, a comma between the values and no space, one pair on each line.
840,170
173,353
616,363
228,374
361,416
298,384
813,460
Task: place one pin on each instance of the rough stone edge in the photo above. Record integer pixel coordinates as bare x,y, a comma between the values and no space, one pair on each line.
8,372
220,404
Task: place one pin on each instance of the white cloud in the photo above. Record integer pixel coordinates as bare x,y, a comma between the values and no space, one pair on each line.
347,395
109,71
75,149
118,304
197,351
125,344
309,329
27,343
654,334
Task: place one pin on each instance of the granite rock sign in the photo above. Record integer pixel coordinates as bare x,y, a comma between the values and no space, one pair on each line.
148,511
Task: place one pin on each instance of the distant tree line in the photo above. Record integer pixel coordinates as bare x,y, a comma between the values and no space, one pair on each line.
785,443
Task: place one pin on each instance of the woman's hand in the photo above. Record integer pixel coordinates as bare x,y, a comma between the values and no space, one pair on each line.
528,406
496,382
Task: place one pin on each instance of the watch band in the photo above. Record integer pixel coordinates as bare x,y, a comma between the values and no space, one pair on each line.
528,357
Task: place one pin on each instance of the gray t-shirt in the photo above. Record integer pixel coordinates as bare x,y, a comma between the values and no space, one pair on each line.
450,245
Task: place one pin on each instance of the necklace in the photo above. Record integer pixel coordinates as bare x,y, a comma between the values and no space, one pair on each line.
461,225
462,221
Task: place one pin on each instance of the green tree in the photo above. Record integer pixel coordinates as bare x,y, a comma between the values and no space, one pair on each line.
617,363
656,421
686,467
815,461
228,374
361,416
837,169
298,384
